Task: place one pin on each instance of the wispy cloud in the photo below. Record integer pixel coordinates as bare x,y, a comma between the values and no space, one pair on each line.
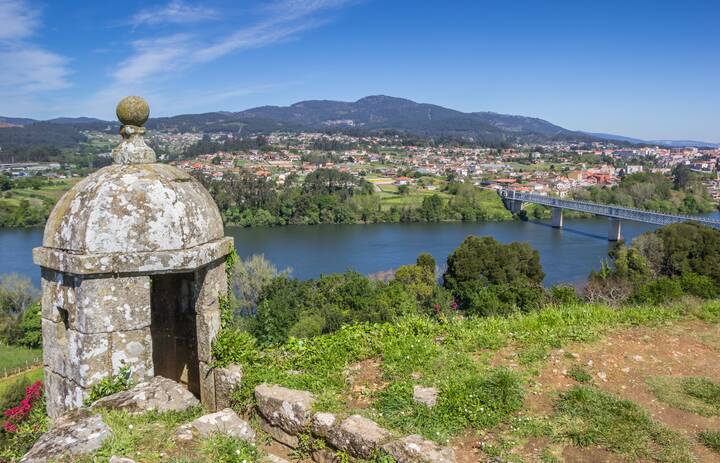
26,67
17,20
175,12
278,21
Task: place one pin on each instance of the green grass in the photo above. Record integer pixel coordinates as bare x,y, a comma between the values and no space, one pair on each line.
579,374
13,357
588,416
146,437
451,356
710,439
693,394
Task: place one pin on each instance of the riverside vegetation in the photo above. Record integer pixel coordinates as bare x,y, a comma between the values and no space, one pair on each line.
329,196
503,352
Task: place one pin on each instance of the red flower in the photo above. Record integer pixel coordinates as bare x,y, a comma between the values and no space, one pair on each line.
17,414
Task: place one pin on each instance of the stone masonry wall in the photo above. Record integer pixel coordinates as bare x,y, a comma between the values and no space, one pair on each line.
91,328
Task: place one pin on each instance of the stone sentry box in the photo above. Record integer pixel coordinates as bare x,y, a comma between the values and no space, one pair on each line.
133,271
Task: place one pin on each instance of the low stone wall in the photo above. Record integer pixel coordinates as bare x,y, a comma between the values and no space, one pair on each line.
287,416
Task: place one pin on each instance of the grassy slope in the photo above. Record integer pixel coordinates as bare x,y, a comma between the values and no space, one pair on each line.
478,396
12,357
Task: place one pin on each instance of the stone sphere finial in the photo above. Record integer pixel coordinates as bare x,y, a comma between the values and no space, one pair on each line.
133,110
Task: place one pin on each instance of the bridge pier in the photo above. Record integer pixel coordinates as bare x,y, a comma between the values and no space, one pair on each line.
614,229
514,206
557,217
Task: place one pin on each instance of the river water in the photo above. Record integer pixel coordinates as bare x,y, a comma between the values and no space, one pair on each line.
567,255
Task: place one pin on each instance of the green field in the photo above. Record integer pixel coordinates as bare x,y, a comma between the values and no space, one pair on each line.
14,357
390,197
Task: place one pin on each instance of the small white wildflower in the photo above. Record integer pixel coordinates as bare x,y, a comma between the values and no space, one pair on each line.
130,426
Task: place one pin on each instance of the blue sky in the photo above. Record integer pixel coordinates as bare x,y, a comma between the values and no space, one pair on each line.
649,69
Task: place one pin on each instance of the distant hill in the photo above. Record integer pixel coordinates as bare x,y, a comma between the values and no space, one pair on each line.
25,139
669,143
376,114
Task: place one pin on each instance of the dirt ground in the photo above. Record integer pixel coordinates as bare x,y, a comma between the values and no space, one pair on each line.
621,363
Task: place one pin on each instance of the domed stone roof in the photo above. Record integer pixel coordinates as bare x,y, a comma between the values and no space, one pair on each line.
132,208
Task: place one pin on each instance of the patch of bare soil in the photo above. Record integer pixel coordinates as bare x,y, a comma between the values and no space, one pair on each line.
467,448
365,379
573,454
622,362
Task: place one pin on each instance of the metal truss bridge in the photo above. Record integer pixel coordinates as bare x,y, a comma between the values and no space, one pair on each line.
514,200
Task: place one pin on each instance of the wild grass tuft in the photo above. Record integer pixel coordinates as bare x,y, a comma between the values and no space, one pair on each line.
710,439
588,416
693,394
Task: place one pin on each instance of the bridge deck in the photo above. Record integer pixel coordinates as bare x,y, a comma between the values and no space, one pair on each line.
607,210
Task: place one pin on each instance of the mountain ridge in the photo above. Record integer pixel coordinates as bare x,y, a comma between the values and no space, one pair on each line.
370,114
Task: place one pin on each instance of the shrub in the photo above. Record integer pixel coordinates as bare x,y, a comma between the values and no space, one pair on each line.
24,424
110,385
658,291
491,262
501,299
234,346
698,285
563,294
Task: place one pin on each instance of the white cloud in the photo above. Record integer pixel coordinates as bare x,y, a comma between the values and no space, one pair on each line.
153,57
175,12
162,56
26,67
17,20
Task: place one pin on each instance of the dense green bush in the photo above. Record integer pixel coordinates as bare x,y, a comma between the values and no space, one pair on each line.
662,289
477,298
485,259
289,307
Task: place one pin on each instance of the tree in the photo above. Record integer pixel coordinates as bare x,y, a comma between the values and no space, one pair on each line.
249,277
427,261
404,190
432,208
490,262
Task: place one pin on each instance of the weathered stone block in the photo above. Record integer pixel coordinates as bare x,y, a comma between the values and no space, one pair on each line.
133,348
227,380
211,284
279,435
324,456
208,326
55,347
61,394
113,304
159,394
207,386
289,409
58,296
322,423
425,395
76,433
358,436
89,356
416,449
226,422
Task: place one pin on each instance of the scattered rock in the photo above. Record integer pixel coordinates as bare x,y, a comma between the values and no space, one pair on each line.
415,449
425,395
223,422
227,380
324,456
322,423
117,459
272,458
185,433
289,409
358,436
75,433
160,394
279,435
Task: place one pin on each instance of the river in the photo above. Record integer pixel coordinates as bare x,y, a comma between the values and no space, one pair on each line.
567,255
